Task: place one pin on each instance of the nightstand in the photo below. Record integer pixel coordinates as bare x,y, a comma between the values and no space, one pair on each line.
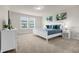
75,34
66,34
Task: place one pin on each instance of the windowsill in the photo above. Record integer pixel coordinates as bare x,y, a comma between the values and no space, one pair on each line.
26,28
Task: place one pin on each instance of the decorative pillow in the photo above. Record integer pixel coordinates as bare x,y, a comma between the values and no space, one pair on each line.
56,26
49,26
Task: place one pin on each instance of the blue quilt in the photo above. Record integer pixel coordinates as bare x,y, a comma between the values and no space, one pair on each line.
54,31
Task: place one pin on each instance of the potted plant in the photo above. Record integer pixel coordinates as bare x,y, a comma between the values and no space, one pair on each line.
8,26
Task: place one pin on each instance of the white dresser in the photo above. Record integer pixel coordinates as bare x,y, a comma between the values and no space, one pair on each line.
7,40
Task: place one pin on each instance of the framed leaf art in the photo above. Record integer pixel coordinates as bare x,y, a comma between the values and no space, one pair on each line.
61,16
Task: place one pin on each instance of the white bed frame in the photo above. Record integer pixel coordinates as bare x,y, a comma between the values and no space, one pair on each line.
44,34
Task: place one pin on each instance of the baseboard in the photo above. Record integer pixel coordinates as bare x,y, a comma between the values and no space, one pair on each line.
10,51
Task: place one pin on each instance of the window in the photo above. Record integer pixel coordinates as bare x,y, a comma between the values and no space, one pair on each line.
23,22
27,22
31,22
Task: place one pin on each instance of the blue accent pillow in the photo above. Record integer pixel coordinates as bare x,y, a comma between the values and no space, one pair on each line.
56,26
49,26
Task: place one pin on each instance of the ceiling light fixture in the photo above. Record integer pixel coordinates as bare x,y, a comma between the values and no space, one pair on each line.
38,7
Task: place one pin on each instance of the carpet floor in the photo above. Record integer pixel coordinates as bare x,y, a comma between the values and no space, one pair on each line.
29,43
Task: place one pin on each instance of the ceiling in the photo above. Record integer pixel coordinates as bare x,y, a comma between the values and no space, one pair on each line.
48,9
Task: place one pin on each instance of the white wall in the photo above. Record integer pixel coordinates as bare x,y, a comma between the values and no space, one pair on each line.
72,13
3,15
72,16
15,19
71,21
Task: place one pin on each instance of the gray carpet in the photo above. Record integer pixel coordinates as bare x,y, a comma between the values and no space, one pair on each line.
29,43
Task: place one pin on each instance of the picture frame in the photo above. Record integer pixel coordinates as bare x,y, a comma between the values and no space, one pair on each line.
49,18
61,16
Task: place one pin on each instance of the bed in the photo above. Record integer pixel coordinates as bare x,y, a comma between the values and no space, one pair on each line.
48,33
